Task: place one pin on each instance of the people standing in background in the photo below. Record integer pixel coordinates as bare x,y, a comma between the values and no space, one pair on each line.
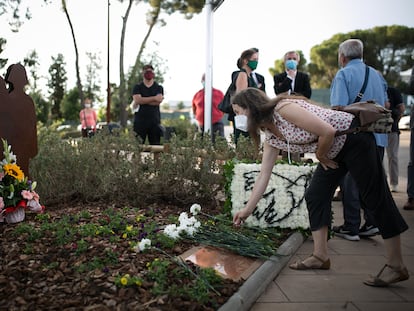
292,80
397,109
345,87
148,95
409,205
88,118
216,114
243,78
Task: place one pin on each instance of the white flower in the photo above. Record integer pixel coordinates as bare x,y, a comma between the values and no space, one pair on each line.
195,209
187,225
172,231
144,244
190,230
183,217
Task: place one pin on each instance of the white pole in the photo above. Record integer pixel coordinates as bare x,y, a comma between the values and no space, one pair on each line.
209,69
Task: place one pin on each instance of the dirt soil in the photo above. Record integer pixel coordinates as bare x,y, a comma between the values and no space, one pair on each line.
37,272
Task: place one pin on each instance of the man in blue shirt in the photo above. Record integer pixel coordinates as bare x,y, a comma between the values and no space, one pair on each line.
345,87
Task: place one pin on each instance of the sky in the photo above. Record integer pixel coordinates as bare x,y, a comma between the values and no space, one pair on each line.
273,26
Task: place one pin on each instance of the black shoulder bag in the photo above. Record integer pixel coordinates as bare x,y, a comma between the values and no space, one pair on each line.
225,104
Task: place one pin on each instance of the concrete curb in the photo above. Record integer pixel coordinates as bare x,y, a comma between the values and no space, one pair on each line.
257,283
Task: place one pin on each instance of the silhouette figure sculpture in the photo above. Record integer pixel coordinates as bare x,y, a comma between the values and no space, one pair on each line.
18,117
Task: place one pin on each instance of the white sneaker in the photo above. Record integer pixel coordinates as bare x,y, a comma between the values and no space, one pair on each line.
394,188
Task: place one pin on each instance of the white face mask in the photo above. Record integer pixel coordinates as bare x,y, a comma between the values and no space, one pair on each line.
87,105
240,122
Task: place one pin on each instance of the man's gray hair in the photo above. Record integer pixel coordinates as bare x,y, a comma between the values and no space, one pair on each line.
351,48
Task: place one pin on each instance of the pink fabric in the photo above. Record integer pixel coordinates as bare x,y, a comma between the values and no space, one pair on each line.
299,140
88,118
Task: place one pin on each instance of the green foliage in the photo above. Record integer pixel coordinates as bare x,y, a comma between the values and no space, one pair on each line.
28,230
115,167
127,280
3,61
218,231
180,105
31,61
166,276
42,107
92,84
71,105
182,128
186,7
386,48
13,8
57,84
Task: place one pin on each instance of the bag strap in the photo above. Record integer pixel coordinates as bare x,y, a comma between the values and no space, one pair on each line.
84,117
357,99
364,86
352,130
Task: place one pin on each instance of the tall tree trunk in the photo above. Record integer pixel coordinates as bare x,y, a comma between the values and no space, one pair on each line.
78,79
122,87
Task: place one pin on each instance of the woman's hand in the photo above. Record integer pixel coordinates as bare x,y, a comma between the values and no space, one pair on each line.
240,217
326,162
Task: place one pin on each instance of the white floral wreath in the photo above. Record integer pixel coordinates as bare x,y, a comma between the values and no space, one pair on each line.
283,204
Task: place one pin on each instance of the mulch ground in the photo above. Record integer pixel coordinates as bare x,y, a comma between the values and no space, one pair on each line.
46,269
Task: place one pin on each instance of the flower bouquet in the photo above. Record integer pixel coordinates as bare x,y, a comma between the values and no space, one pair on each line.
16,191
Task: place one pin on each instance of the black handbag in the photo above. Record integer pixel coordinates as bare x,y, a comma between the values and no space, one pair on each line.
225,104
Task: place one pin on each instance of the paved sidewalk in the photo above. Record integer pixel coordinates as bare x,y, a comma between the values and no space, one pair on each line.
341,287
276,287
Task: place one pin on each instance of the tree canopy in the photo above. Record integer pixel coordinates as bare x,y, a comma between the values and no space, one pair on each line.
388,49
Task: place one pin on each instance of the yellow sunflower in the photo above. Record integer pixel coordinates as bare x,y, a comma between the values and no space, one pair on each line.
13,170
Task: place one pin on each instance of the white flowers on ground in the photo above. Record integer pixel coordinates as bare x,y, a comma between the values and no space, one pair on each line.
283,204
143,245
195,209
188,225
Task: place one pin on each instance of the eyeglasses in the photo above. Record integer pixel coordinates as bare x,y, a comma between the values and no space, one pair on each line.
291,58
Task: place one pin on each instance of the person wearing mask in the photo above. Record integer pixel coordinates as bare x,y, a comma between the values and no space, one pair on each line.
243,79
216,114
345,87
292,80
257,77
313,128
397,109
148,95
88,118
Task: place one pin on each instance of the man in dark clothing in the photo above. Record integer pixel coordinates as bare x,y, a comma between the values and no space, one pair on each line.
292,79
147,97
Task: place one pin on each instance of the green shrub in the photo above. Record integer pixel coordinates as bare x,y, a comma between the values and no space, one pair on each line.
115,168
